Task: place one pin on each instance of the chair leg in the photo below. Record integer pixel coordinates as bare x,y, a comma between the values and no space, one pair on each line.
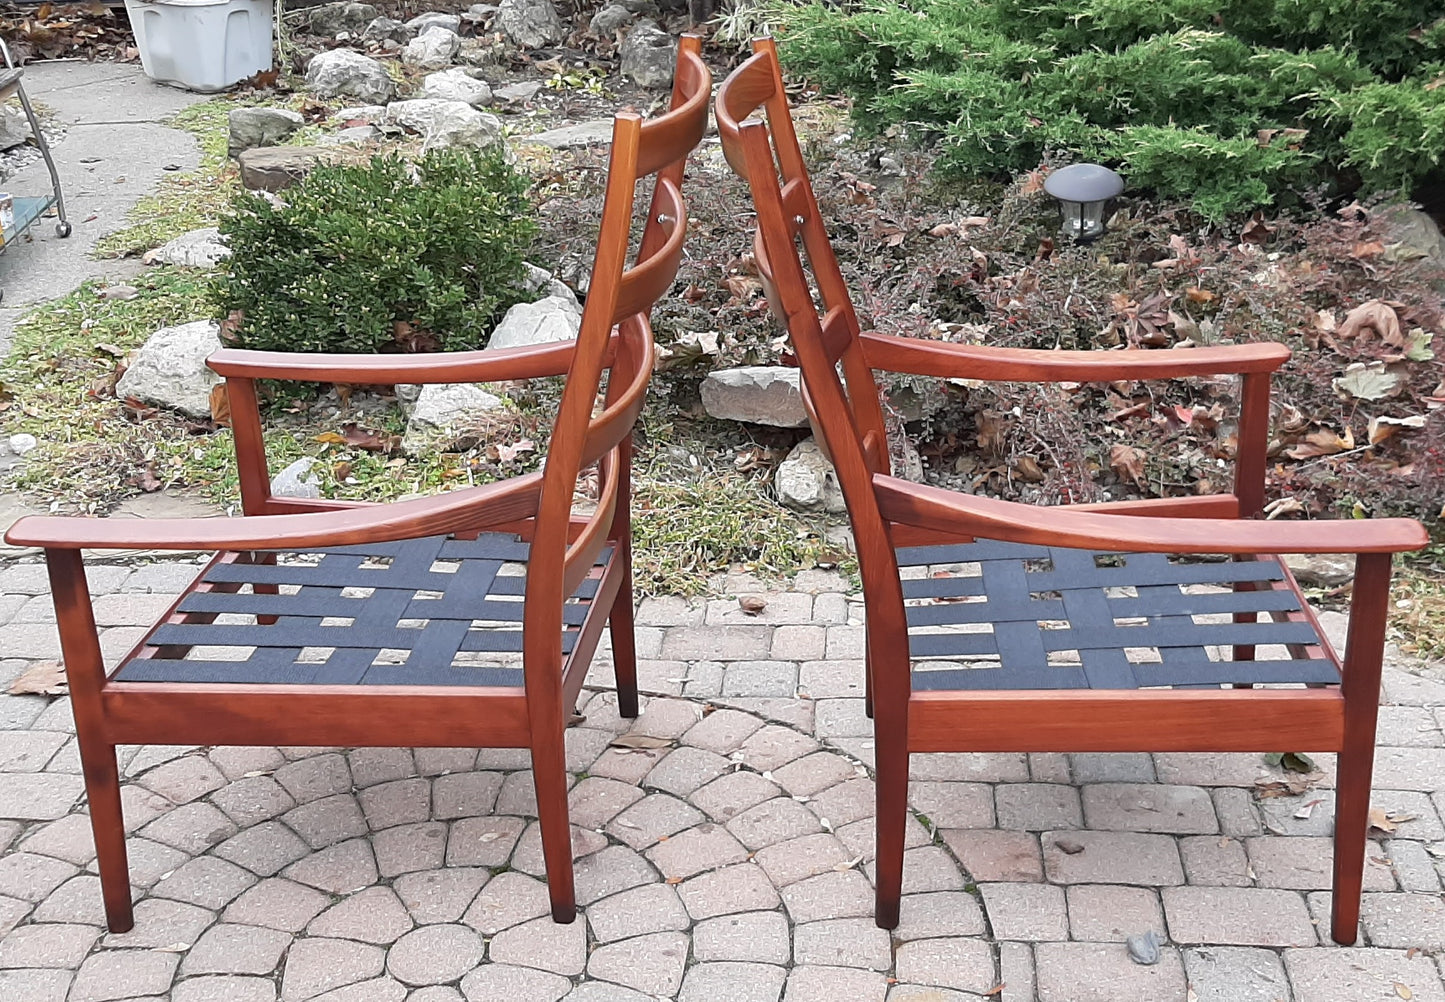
891,791
549,775
102,790
1352,809
624,641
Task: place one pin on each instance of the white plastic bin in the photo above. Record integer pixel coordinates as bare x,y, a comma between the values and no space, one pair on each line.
202,45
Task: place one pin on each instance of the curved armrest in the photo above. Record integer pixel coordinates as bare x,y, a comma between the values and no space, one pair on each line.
473,508
1009,521
487,365
965,361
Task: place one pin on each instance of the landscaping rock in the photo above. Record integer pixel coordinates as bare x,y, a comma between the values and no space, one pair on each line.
555,318
342,72
757,394
432,49
251,127
648,54
517,92
22,442
354,135
446,123
1323,570
530,23
14,128
1416,236
572,136
540,279
443,408
806,481
170,369
479,12
201,248
420,23
294,482
457,85
610,20
333,18
362,113
384,29
487,51
273,168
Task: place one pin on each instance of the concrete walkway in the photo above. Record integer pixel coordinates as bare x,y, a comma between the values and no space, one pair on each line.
731,864
114,152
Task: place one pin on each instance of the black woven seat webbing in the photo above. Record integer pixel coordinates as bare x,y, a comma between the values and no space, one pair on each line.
432,611
993,615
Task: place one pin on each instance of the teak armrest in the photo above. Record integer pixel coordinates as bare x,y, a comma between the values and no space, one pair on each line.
947,360
470,509
1008,521
486,365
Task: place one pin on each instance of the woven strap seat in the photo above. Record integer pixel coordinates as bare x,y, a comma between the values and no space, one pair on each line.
992,615
433,611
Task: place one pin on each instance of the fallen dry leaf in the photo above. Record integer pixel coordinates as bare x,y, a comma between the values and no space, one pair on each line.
44,677
640,741
1322,442
1368,381
220,405
1128,463
1374,315
1027,469
1403,990
752,604
1380,818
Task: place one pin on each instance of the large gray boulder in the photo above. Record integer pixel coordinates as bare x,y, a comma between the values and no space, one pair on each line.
1414,236
569,137
555,318
384,29
14,128
530,23
170,369
333,18
433,49
610,20
541,280
201,248
420,23
252,127
442,409
457,84
806,481
341,72
446,123
756,394
648,54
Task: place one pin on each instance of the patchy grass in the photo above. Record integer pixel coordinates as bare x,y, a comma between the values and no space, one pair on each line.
1419,612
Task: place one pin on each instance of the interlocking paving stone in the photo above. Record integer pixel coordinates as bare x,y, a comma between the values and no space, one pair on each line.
370,766
696,850
28,751
440,895
337,869
184,779
235,761
493,982
543,944
192,828
736,982
964,964
1362,973
373,915
236,949
205,881
1037,806
1405,920
733,793
1111,858
596,801
685,769
159,922
31,877
825,984
760,678
652,964
813,773
1243,916
317,965
399,802
753,937
953,805
855,942
1306,864
829,895
927,993
1215,861
76,900
434,954
797,859
740,888
1235,974
1139,807
376,990
436,761
38,796
47,945
1103,972
926,868
257,798
705,643
507,900
407,848
1113,767
12,910
938,914
1407,768
487,841
657,816
1109,913
642,910
224,988
1239,817
773,821
773,746
1031,912
1414,867
123,974
277,904
991,855
69,839
315,777
264,849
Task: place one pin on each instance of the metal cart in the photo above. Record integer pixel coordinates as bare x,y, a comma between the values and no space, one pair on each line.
29,208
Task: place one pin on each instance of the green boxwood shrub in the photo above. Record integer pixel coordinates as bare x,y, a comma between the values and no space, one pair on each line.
1188,97
385,256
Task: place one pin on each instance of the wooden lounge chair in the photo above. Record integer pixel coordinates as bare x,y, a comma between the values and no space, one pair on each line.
978,671
490,600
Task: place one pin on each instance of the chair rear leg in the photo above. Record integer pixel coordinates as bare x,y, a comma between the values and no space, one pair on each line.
1364,655
102,790
890,741
624,641
549,775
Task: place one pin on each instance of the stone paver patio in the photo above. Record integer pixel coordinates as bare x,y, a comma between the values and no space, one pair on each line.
730,865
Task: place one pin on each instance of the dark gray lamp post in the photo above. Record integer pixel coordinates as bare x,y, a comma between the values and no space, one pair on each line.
1083,191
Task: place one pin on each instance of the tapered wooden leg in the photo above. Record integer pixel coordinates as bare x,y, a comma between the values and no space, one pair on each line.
1364,652
85,670
624,641
891,747
549,774
102,790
